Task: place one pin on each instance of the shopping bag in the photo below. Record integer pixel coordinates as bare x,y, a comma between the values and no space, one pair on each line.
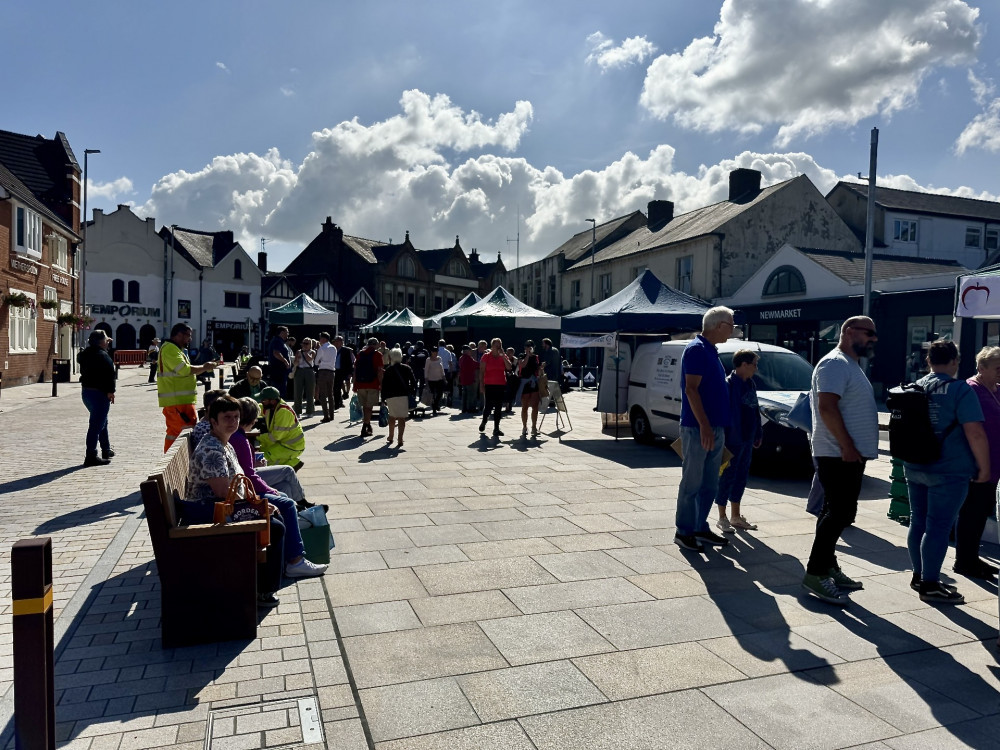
355,409
800,415
383,415
247,508
427,398
316,536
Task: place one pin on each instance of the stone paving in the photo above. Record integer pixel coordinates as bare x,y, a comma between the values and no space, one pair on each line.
520,594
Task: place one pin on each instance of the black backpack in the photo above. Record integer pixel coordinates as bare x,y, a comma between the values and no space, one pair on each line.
364,367
911,434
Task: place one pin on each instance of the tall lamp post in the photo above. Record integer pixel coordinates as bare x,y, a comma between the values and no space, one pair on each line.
593,250
83,255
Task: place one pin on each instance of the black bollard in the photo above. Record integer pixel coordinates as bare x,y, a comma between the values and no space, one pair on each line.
55,385
34,663
222,376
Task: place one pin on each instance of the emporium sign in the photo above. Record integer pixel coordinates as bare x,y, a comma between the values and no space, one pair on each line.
125,310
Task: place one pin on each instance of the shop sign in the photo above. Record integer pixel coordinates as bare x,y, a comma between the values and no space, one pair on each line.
795,312
23,265
126,310
58,278
222,325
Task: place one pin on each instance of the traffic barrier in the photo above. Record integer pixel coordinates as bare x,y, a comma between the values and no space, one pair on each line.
34,663
130,357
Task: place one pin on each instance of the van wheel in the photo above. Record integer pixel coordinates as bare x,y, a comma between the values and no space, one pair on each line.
641,431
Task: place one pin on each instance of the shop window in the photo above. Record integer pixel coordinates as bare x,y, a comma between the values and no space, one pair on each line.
133,291
685,272
904,231
785,280
973,237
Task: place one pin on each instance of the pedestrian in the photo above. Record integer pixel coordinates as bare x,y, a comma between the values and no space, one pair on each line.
479,351
435,377
398,385
279,360
844,437
176,386
152,357
937,490
304,378
282,440
553,369
325,362
512,391
743,434
417,361
493,369
344,368
979,502
251,385
704,418
450,364
468,371
368,373
97,378
528,369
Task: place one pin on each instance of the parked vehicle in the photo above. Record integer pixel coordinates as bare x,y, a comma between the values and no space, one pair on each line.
654,398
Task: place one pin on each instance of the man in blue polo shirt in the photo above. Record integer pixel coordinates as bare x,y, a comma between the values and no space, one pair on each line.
704,418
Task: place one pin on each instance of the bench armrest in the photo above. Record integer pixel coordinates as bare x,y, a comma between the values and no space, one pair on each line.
217,529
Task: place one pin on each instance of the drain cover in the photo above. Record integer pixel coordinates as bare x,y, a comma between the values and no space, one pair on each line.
287,723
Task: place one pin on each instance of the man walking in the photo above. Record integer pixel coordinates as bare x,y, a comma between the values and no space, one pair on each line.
176,387
844,437
279,360
326,366
343,369
368,382
704,418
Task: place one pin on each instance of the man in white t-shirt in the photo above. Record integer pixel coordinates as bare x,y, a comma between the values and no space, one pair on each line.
844,437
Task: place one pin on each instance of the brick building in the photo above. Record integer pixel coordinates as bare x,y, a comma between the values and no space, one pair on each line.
40,191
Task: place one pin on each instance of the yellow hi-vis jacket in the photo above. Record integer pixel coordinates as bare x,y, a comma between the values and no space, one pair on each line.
175,383
284,440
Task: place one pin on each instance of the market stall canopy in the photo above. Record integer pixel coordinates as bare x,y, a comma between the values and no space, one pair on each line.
468,301
501,309
368,327
303,310
979,294
647,305
405,321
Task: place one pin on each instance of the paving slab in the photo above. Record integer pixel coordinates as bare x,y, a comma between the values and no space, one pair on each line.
544,637
415,708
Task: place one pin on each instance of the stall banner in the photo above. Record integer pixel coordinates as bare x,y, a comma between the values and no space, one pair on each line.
978,297
571,341
615,370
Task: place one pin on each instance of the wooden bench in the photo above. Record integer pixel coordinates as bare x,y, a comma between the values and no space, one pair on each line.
208,572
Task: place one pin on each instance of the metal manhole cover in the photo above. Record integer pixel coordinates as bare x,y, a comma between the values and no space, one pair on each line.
278,724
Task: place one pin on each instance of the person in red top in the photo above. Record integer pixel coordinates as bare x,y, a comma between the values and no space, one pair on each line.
468,369
368,369
493,368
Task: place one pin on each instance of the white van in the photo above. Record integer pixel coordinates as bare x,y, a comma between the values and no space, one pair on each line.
654,397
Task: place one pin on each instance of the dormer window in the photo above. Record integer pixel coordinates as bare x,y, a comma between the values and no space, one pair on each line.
456,268
406,267
785,280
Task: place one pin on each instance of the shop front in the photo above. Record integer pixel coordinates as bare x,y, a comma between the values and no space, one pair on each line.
228,337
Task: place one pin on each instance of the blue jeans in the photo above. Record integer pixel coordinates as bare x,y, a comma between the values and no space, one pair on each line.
733,481
98,404
699,480
289,515
935,500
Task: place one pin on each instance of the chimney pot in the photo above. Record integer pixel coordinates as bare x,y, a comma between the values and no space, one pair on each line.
744,184
262,261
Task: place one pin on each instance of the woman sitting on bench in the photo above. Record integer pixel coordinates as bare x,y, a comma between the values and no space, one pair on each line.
213,466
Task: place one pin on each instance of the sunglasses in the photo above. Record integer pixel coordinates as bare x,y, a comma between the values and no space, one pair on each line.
869,331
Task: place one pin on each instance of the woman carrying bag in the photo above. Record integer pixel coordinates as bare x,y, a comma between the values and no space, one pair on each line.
529,368
398,387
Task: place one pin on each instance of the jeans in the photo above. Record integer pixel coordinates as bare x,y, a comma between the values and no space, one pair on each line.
972,520
841,482
98,404
293,547
699,480
733,481
935,500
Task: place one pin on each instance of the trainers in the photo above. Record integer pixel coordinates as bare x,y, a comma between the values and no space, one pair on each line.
844,581
741,522
724,526
825,589
978,569
497,433
93,460
108,454
267,600
688,541
304,569
710,537
915,582
482,426
934,591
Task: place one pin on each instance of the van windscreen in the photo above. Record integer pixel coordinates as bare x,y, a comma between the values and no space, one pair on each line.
778,371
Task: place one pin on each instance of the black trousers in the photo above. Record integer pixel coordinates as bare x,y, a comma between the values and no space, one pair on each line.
972,517
339,378
269,571
494,403
841,486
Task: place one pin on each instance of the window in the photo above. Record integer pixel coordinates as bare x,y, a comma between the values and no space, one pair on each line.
28,233
22,326
359,312
117,290
455,268
50,294
992,239
685,269
524,292
437,303
638,271
972,236
574,288
409,299
58,251
785,280
407,269
423,303
238,269
552,291
133,291
387,296
450,302
605,280
399,299
238,299
904,231
538,293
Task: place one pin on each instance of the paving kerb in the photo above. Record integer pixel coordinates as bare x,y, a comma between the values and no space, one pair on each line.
531,585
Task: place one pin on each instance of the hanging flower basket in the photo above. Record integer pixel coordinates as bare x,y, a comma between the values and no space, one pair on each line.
72,320
49,304
18,299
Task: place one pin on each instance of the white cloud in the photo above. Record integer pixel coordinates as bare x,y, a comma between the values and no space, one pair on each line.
983,132
982,90
809,65
110,190
222,66
287,91
382,179
606,55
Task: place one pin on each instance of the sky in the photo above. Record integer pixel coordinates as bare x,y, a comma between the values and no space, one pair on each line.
508,125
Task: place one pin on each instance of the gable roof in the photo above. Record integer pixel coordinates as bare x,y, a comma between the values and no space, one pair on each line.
926,203
851,266
14,186
201,249
35,170
578,245
697,223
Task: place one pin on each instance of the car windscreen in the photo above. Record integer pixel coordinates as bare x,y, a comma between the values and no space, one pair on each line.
778,371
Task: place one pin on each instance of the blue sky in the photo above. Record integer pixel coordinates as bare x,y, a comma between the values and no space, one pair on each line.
448,119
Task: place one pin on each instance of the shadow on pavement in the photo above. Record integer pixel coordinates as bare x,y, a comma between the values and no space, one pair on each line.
121,506
345,443
30,483
627,453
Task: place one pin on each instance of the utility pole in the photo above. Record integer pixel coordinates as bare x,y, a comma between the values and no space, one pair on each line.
593,252
83,255
870,225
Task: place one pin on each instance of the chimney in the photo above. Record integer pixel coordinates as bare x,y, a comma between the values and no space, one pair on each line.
659,213
744,184
262,261
474,256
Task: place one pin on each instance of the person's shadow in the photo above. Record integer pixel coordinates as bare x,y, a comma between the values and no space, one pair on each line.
30,483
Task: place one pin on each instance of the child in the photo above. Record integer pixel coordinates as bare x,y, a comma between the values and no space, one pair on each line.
742,436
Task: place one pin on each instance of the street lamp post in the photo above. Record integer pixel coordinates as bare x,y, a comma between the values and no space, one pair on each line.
593,251
83,253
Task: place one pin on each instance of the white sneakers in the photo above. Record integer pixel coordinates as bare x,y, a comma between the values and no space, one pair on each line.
304,569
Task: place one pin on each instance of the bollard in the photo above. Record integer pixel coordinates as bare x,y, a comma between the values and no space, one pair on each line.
55,386
34,663
222,376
